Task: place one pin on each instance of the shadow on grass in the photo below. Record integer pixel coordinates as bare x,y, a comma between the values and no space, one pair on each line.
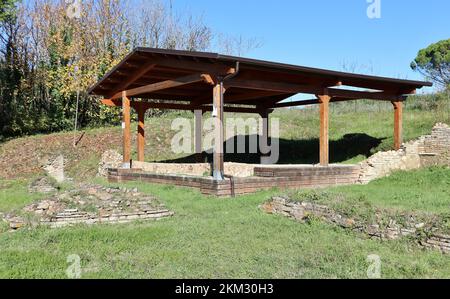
298,151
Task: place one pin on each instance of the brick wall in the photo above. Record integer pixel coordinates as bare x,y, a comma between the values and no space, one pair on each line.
271,177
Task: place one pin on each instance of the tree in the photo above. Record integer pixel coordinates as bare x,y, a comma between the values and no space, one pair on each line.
49,58
434,63
7,8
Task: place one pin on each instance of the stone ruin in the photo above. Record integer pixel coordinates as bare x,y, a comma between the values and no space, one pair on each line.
54,167
42,185
89,204
426,234
109,159
429,150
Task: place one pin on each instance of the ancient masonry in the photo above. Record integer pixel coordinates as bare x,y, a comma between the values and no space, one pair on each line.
109,159
89,204
301,211
426,151
55,168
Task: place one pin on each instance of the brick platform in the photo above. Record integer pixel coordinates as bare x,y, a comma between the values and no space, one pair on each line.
266,177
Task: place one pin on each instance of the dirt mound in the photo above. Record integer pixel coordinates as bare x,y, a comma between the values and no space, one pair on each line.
26,156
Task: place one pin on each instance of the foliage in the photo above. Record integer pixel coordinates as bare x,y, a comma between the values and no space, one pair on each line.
48,56
7,10
434,62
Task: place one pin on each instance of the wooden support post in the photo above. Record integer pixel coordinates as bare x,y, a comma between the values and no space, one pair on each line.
198,115
141,133
324,123
398,124
264,143
218,164
126,126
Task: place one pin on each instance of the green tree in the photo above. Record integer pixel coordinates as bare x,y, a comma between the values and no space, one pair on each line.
7,9
434,63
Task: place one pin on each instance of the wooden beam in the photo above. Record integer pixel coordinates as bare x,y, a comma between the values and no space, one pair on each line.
363,95
173,106
162,85
195,66
235,98
324,124
305,88
112,103
309,102
126,126
218,163
398,124
138,74
268,86
141,133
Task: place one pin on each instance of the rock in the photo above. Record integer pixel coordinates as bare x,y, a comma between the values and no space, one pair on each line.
43,205
420,225
16,223
55,168
42,185
88,204
350,222
109,159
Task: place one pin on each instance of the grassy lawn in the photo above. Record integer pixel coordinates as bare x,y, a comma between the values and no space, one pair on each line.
14,195
232,238
425,190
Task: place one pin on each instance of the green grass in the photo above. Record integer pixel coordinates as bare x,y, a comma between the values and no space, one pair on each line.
14,195
423,194
425,190
223,238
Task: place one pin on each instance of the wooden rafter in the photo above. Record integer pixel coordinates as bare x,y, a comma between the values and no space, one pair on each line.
162,85
234,98
198,66
308,102
299,88
267,86
136,76
174,106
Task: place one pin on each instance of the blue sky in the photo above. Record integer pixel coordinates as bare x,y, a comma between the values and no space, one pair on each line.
329,33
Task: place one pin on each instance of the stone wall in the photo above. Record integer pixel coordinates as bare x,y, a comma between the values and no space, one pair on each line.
426,151
89,204
302,211
195,169
73,216
435,148
55,168
109,159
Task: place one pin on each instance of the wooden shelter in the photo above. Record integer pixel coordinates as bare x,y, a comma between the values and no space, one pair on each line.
168,79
